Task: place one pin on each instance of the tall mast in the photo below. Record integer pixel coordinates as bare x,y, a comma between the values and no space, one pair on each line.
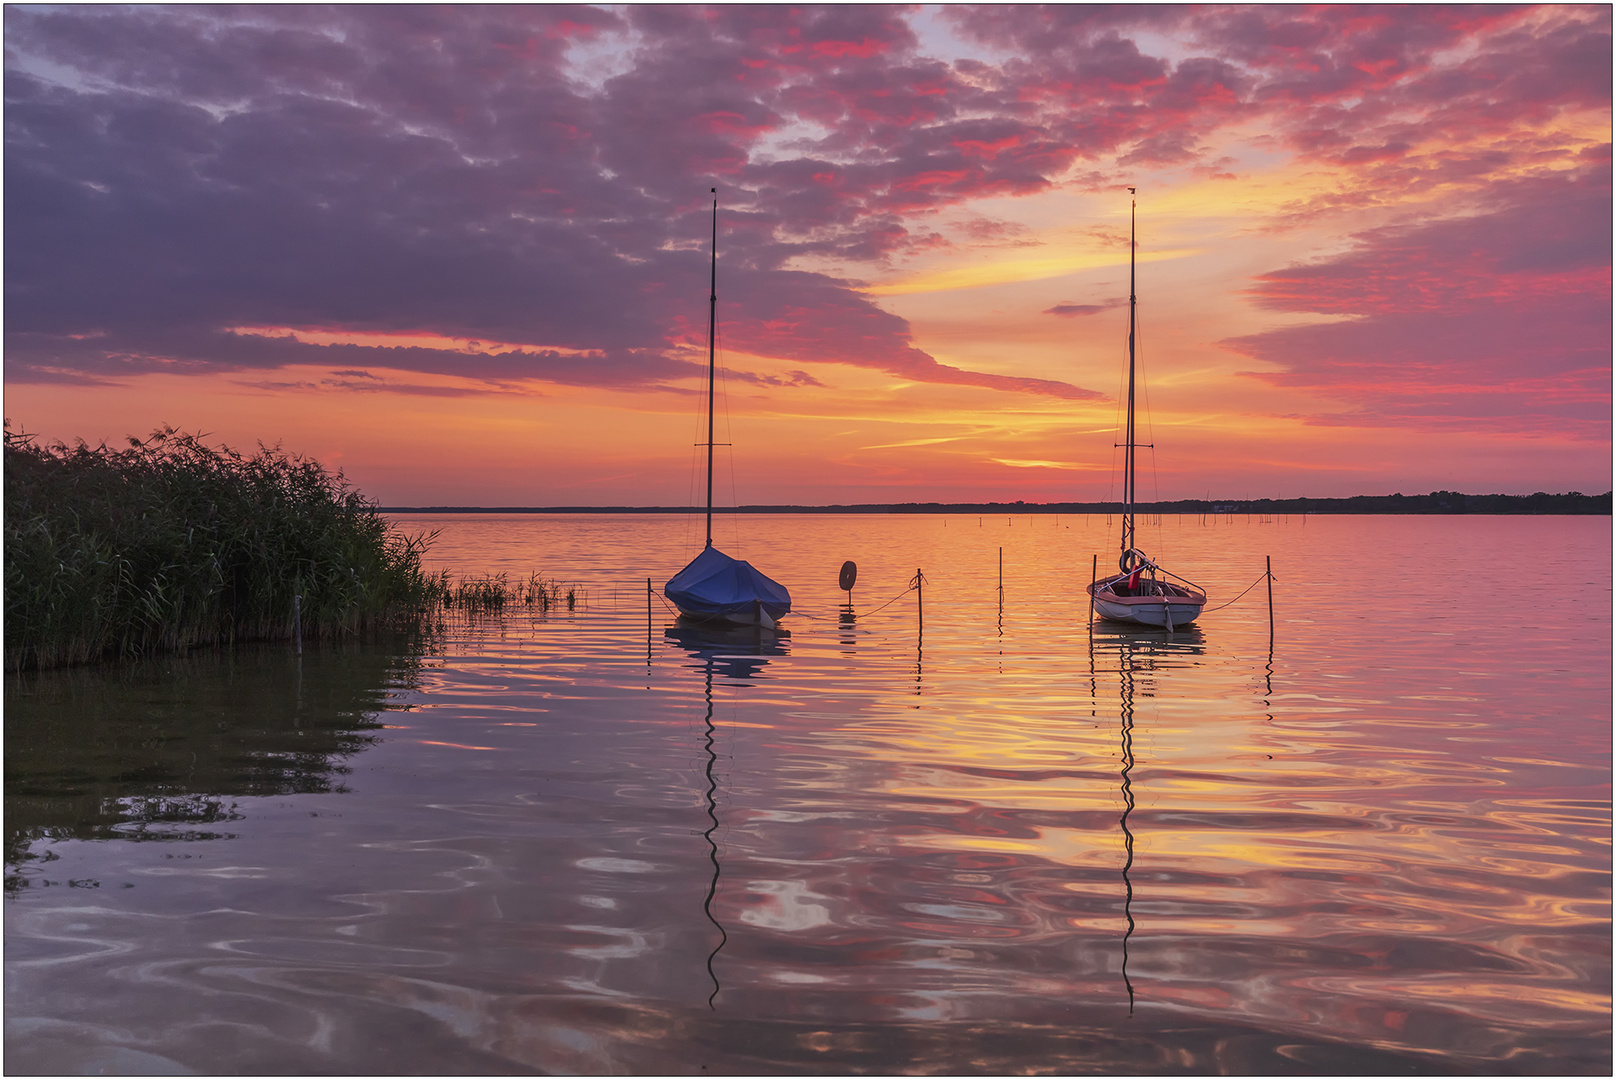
712,367
1128,458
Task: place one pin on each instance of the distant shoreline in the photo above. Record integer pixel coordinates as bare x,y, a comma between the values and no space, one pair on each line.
1437,502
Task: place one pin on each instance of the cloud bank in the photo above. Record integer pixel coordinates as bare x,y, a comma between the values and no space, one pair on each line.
538,176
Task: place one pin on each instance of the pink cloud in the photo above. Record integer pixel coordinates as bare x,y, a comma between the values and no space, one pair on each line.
1350,85
1495,321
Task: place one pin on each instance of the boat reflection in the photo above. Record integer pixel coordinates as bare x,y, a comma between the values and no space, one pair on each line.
159,750
1139,654
737,652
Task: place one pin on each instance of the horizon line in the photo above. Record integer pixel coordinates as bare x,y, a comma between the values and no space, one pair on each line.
1436,501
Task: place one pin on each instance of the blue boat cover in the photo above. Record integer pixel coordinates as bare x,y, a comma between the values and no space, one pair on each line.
715,585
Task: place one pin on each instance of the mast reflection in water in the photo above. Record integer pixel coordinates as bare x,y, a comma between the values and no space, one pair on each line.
1127,808
740,653
1135,651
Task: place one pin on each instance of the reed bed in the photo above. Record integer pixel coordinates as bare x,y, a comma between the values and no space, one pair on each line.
493,594
172,544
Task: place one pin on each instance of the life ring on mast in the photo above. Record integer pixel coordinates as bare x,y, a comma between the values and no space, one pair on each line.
1132,561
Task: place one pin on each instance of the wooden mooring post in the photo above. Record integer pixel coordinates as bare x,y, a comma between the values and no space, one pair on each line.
1270,575
1094,575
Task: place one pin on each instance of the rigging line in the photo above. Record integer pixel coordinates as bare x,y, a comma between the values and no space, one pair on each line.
729,431
1117,425
697,461
1150,419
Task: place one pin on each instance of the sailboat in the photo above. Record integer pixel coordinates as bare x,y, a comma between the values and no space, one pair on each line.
716,588
1143,592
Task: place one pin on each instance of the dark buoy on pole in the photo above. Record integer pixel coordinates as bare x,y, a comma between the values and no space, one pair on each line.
848,578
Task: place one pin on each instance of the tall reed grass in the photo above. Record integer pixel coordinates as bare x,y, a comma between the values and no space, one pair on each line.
494,594
171,544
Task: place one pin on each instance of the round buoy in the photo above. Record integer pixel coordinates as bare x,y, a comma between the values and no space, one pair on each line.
849,575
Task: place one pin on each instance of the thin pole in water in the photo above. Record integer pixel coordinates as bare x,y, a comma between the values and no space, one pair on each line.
297,623
1094,576
920,598
1270,575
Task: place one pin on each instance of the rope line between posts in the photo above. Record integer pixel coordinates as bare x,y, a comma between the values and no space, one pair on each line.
863,614
1260,578
801,614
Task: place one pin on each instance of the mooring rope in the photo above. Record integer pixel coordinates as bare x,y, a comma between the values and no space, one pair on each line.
861,614
1260,578
800,614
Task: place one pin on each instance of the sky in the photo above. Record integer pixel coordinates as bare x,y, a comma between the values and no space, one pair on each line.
462,253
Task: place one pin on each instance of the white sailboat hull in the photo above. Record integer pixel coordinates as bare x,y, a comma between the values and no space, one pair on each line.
1171,611
755,617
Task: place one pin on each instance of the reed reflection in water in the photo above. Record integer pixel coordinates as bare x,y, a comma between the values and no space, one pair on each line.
163,749
597,842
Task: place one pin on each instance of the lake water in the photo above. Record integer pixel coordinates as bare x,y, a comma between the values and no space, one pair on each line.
974,836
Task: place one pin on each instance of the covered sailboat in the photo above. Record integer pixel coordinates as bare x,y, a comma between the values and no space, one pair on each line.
716,588
1142,592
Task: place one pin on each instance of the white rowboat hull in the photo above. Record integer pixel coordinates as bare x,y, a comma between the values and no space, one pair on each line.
1163,611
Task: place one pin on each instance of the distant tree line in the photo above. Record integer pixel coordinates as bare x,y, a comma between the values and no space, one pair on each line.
1437,502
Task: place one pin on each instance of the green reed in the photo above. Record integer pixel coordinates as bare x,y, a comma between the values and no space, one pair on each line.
495,593
171,544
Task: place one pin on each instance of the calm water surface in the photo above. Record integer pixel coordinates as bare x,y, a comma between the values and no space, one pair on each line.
974,836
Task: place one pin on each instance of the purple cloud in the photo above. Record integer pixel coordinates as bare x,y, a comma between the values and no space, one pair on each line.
1068,311
1496,321
537,176
444,171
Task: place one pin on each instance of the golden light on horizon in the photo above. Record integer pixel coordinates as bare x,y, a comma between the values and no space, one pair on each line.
1013,271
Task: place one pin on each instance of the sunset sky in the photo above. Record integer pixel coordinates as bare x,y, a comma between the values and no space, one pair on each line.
461,253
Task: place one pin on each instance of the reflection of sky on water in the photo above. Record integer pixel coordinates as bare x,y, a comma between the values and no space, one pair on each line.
755,854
